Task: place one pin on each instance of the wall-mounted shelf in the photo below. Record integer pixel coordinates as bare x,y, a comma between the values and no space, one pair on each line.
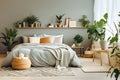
53,28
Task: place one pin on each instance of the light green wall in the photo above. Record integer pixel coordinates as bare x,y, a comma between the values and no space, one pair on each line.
14,10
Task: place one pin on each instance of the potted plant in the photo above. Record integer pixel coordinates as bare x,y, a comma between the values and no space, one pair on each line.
115,71
78,40
18,24
59,20
31,20
84,21
96,31
8,38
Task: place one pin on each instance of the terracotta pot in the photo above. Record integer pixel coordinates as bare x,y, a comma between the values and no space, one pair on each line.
84,25
32,25
59,25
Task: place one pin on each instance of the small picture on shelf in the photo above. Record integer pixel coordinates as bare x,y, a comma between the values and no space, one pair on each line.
67,20
72,23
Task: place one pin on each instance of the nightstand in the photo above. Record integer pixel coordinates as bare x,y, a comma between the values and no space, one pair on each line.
80,48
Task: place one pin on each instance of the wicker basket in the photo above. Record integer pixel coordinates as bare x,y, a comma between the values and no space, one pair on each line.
21,63
88,53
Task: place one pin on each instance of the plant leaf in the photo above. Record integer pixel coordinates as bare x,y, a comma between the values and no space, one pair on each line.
106,16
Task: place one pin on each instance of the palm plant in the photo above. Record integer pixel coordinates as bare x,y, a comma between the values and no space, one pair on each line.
59,19
8,38
31,19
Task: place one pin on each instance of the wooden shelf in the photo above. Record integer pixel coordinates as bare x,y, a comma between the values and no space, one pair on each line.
53,28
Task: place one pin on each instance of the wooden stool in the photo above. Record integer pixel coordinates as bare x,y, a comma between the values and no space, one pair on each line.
99,52
21,63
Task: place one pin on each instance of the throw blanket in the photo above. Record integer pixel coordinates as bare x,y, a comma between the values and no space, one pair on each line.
44,55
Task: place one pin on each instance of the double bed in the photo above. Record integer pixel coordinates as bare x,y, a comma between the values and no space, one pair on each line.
44,55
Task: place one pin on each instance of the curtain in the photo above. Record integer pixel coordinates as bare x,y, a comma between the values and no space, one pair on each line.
111,7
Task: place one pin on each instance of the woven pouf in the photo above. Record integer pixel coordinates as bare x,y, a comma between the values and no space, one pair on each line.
21,63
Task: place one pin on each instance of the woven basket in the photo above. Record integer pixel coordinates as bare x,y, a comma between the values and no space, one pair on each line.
21,63
88,54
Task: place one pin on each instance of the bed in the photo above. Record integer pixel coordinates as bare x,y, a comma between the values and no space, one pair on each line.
44,55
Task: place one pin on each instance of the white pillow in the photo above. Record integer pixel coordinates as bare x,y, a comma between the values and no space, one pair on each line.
38,35
34,39
57,38
25,39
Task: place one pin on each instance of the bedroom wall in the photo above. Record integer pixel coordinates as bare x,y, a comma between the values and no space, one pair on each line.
46,10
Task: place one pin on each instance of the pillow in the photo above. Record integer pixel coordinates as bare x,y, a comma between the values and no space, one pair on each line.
38,35
34,39
25,39
45,40
57,38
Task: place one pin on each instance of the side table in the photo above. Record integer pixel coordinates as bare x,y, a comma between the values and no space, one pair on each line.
81,49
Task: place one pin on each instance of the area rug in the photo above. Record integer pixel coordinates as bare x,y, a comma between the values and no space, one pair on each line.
36,72
89,66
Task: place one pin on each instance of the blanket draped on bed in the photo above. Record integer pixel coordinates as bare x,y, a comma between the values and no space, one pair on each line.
44,55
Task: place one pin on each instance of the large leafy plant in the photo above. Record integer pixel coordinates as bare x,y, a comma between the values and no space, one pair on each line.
97,30
8,38
115,52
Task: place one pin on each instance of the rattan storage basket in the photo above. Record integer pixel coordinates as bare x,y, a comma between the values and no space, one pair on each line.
88,54
21,63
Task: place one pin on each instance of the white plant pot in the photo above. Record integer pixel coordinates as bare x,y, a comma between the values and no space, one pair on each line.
78,44
96,45
104,44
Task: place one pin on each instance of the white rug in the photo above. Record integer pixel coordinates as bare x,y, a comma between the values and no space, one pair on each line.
36,72
89,66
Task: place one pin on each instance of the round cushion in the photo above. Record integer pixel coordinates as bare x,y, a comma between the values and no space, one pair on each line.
21,63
